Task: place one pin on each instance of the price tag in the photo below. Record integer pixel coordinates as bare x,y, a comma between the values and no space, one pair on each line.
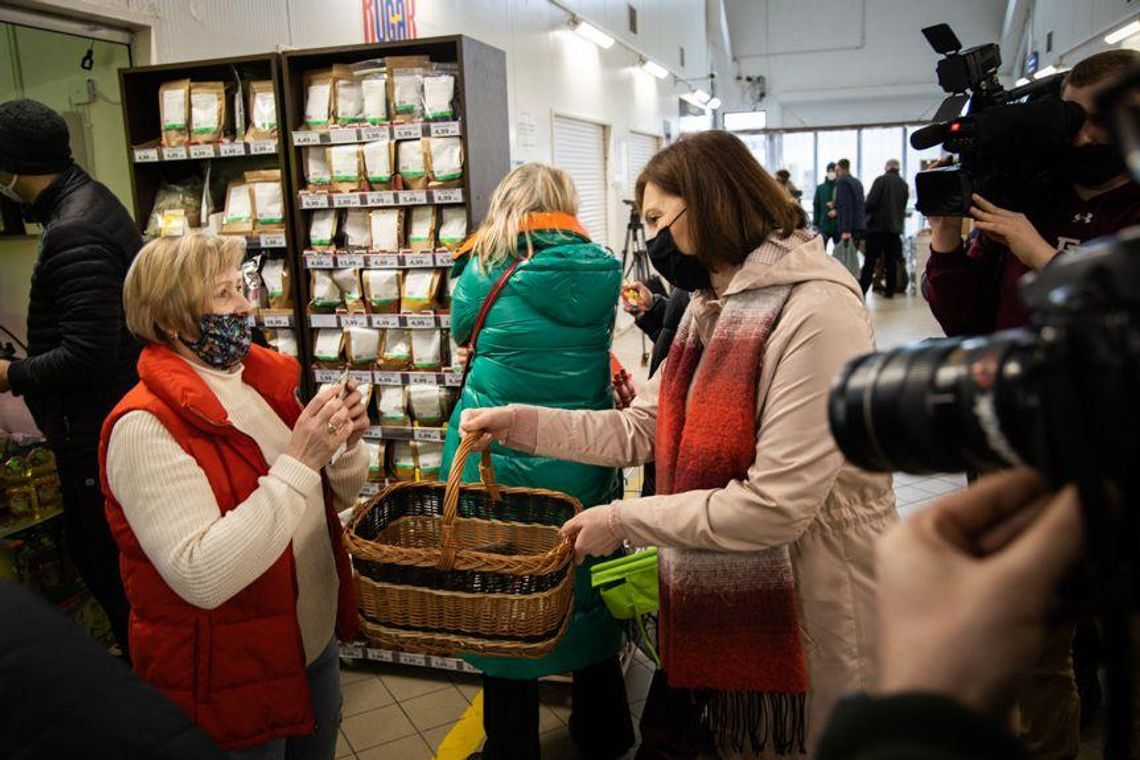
319,261
428,434
445,129
232,149
382,198
445,320
346,200
370,489
314,200
444,259
262,147
352,651
202,151
361,376
343,135
278,320
419,260
146,155
327,375
382,261
386,320
450,195
374,432
408,131
381,655
407,658
354,320
306,138
323,320
422,378
452,379
467,667
175,154
372,134
350,261
421,322
387,378
412,197
275,240
442,663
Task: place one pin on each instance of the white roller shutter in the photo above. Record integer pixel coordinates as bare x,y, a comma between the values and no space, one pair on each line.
580,149
641,149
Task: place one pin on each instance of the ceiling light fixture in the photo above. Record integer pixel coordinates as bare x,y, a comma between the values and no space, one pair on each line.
1123,33
1045,72
592,33
654,68
1021,82
714,103
702,97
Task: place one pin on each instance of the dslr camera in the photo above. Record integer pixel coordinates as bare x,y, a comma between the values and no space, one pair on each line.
1008,141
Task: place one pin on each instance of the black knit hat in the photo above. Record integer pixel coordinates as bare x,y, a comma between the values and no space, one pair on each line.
33,139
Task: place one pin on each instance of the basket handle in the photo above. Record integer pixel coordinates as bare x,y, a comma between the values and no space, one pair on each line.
451,496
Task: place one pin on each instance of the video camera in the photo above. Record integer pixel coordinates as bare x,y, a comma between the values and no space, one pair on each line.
1008,149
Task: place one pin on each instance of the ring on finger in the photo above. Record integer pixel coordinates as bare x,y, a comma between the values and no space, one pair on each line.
333,427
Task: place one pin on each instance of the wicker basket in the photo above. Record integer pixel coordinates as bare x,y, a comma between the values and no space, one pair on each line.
464,568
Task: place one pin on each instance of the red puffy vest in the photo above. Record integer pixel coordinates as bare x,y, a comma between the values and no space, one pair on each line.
238,670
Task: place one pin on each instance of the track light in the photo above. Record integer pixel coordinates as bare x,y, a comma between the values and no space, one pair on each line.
654,68
714,103
1122,33
592,33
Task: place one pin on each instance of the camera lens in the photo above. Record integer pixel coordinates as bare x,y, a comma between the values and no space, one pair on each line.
940,406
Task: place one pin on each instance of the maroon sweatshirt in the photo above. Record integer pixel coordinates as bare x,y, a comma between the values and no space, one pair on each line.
962,288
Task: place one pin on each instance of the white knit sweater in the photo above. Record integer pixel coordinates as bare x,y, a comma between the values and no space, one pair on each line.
207,557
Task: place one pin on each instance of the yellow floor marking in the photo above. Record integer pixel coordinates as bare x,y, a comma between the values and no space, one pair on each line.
466,735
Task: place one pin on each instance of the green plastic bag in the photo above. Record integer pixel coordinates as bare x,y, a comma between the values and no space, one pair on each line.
848,255
628,585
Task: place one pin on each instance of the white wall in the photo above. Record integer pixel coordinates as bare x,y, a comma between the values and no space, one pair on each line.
1078,29
845,62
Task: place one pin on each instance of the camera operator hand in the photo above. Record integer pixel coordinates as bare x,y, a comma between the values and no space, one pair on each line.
965,586
1014,231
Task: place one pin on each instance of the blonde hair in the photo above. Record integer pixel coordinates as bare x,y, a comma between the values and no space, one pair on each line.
169,284
528,189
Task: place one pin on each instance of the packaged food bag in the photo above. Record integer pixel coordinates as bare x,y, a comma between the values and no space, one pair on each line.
318,99
393,406
324,293
344,160
207,111
403,460
174,112
322,230
445,155
427,405
427,350
410,164
419,288
348,96
439,96
375,90
275,275
317,170
407,85
397,354
387,228
282,340
421,228
357,228
262,112
328,347
361,346
239,209
378,164
268,203
348,280
382,290
429,459
452,226
377,460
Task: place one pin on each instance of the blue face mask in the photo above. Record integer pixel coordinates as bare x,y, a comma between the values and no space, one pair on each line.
224,339
684,272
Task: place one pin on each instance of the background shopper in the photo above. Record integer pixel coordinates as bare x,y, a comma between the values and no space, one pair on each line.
782,590
81,358
546,340
216,493
824,215
850,206
886,215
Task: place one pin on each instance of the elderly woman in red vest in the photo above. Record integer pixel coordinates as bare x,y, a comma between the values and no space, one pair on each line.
222,494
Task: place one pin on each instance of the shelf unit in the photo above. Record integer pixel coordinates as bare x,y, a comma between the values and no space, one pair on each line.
152,163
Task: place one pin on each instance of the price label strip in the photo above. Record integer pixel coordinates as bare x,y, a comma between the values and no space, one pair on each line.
319,261
450,195
262,147
229,150
314,200
175,154
346,200
323,320
202,151
306,138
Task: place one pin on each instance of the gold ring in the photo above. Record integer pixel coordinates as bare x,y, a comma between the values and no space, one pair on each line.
329,426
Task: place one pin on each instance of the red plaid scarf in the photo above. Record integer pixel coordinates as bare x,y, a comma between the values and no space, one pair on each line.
728,621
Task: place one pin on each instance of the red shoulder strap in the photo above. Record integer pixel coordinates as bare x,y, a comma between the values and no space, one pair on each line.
488,302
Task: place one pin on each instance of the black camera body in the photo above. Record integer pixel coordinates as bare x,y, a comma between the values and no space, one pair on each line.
1009,151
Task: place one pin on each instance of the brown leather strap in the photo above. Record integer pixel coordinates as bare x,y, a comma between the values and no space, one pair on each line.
488,302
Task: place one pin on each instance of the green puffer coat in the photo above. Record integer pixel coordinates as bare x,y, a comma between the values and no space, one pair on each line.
545,342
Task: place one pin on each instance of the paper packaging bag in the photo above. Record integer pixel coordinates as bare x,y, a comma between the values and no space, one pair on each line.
419,289
344,160
322,230
397,354
239,209
429,458
327,347
377,461
410,164
444,157
282,340
348,99
421,228
403,460
427,354
174,110
317,171
324,293
378,164
427,405
207,111
375,90
439,93
387,229
393,406
405,86
357,229
268,203
452,226
348,281
382,290
318,99
361,346
263,112
275,275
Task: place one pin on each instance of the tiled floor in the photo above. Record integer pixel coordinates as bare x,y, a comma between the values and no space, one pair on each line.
401,713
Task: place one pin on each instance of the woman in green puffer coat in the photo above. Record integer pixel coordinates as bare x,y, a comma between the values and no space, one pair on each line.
545,341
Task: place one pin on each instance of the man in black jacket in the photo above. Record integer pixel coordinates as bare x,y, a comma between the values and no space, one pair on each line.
81,358
886,214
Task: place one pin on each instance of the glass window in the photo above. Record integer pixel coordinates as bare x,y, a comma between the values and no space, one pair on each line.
880,144
798,157
914,161
757,145
835,144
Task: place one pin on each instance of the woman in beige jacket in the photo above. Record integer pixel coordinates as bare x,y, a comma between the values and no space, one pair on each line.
752,500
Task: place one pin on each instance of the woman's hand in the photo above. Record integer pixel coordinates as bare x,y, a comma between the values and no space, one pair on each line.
357,412
624,390
492,424
320,430
462,356
594,532
636,298
1014,231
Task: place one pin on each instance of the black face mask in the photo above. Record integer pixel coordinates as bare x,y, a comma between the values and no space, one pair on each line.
684,272
1092,165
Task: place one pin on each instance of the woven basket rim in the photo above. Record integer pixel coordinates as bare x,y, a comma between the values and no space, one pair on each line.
453,644
470,595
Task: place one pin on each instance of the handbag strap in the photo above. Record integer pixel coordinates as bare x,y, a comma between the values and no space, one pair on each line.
488,302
